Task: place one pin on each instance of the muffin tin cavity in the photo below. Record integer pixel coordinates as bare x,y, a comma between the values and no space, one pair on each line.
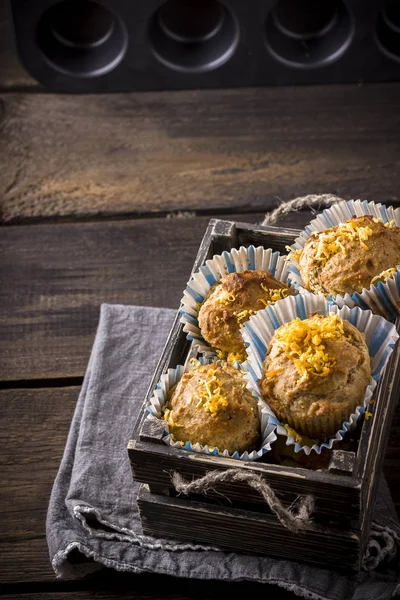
195,36
308,33
388,29
126,45
82,39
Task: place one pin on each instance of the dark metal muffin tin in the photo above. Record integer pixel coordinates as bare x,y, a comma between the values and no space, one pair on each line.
120,45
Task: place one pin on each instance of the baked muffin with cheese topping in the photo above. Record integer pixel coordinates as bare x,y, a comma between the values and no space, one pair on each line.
349,257
211,405
230,302
315,374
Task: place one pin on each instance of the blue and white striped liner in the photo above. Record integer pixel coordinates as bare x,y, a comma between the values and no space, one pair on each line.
236,260
380,336
383,298
159,398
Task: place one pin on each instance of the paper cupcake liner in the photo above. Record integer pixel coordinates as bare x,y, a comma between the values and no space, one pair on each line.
383,298
236,260
159,398
380,336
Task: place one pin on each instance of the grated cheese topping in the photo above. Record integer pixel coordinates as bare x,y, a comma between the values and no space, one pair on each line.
331,242
195,362
273,373
303,343
273,295
390,225
384,275
295,254
244,315
231,357
210,396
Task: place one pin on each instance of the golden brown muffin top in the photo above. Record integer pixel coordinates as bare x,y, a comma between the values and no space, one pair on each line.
349,257
309,344
230,302
316,373
211,405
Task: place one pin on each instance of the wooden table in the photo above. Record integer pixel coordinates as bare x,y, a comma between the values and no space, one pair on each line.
86,182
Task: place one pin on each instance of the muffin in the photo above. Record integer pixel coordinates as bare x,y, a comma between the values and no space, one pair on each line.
315,374
211,405
230,302
349,257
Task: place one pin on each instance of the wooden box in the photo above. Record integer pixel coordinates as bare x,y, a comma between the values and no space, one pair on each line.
233,516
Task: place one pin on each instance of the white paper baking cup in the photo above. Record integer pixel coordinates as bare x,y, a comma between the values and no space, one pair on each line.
380,336
383,298
159,398
199,285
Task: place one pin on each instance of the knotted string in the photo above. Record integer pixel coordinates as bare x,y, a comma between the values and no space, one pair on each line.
296,520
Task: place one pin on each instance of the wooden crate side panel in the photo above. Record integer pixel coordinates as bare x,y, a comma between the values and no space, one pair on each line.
375,438
338,502
240,530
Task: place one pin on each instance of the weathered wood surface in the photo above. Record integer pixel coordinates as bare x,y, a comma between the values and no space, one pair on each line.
34,430
54,278
336,498
199,151
242,530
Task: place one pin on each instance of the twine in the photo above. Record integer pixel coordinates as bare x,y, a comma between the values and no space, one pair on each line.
383,544
296,520
317,201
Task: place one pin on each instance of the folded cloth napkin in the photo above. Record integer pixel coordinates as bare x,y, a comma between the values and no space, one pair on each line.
93,507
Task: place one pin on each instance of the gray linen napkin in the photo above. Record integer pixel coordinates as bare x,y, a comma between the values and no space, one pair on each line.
93,503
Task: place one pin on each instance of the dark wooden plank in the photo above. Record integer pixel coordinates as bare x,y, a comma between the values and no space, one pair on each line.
337,498
12,73
242,530
54,278
34,430
198,150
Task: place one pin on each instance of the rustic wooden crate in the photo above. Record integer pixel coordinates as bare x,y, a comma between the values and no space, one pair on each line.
344,491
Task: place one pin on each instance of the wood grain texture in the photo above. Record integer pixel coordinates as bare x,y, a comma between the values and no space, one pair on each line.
34,430
200,150
242,530
54,278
